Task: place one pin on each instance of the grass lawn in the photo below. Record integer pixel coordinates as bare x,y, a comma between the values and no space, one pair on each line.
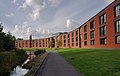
94,62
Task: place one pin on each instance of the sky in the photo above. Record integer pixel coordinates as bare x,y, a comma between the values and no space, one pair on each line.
41,18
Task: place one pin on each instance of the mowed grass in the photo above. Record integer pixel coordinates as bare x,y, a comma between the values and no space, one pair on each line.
94,62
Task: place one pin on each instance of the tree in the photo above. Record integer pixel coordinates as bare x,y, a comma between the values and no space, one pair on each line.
19,39
9,42
59,43
2,35
50,43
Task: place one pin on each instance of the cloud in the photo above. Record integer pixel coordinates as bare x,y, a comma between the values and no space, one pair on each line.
9,15
54,2
37,6
14,1
71,24
24,31
108,1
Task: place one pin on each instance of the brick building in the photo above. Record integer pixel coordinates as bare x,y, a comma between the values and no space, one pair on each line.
101,31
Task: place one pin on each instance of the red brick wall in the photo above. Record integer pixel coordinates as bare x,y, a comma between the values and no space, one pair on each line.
110,32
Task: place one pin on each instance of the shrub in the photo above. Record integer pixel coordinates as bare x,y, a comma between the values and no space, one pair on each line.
21,55
39,51
7,62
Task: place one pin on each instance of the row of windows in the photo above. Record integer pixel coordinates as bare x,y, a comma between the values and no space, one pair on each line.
103,41
117,10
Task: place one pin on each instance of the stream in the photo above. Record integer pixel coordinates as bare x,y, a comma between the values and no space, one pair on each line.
19,71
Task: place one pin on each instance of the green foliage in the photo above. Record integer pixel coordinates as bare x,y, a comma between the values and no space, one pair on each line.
7,41
94,62
39,51
8,60
59,43
50,44
21,55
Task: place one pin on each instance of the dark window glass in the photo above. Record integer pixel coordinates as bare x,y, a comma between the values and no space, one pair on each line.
92,34
117,39
117,26
64,41
68,41
22,43
72,39
103,19
92,42
91,24
85,28
103,31
85,43
85,36
26,43
103,41
76,39
68,36
64,37
117,10
76,44
72,34
76,33
36,43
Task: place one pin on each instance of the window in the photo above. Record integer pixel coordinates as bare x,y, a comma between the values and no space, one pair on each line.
64,41
72,44
68,45
26,43
40,43
64,37
36,43
117,26
22,43
91,24
33,43
103,31
85,36
85,43
92,34
80,30
76,39
76,44
72,39
85,28
103,41
117,10
68,40
81,36
92,42
68,36
103,19
117,39
64,44
72,34
76,33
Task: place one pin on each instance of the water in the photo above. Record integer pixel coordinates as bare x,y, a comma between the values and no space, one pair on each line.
19,71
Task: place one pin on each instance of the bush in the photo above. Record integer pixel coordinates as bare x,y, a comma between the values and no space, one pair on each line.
7,62
21,55
39,51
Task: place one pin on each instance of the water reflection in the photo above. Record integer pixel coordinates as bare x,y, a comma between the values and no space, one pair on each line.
19,71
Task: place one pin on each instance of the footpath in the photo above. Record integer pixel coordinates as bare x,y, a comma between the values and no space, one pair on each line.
56,65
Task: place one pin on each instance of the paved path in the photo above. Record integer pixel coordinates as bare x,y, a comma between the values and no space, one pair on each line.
55,65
